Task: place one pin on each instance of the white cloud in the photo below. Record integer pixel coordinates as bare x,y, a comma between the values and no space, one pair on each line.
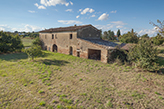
113,25
87,10
119,26
77,16
91,10
68,10
150,32
36,4
80,10
39,7
93,15
113,11
26,28
104,27
71,3
5,28
104,16
69,22
66,4
31,11
118,22
54,2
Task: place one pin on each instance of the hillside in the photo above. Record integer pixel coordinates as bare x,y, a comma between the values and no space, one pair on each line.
63,81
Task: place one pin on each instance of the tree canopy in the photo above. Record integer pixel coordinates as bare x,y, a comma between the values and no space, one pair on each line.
10,43
130,37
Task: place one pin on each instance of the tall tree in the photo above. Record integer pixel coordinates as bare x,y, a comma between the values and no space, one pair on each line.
130,37
111,35
105,35
118,33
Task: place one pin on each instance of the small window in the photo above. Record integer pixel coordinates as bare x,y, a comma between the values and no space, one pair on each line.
55,36
70,36
78,54
45,36
52,36
49,48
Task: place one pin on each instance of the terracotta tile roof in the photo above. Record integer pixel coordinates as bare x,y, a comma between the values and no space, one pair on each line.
63,29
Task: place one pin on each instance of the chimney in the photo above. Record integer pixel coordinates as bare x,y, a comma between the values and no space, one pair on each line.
75,25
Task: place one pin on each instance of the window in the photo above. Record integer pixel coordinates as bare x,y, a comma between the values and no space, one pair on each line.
52,36
49,48
70,36
45,36
55,36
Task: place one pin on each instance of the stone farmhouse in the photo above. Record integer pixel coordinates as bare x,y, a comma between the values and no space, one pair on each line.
81,41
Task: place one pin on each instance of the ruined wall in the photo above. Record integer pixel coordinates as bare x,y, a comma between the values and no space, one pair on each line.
89,33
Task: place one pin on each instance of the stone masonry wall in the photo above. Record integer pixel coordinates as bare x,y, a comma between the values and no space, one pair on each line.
89,33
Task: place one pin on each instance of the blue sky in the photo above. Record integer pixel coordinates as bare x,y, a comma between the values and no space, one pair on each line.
35,15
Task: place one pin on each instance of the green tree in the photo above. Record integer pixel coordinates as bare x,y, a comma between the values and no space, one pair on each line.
118,33
144,55
130,37
111,35
10,43
158,39
144,36
105,35
33,52
37,41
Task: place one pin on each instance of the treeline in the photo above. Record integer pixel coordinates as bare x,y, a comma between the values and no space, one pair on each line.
10,43
109,35
31,35
131,37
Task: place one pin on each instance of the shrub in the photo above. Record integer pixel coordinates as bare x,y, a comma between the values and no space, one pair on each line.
10,43
158,40
42,103
144,55
33,51
117,54
37,41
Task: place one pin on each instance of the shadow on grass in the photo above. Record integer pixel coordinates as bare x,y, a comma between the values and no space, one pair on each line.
46,53
53,62
13,56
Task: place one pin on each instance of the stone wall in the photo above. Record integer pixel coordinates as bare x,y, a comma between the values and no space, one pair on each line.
61,39
85,45
88,33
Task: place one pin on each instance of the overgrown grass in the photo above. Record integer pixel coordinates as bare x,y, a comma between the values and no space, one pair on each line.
27,42
66,82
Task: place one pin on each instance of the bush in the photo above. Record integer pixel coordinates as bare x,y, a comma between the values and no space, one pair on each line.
144,55
130,37
10,43
37,41
33,51
158,40
117,54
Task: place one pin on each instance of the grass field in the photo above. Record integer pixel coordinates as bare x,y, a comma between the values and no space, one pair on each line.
65,82
27,42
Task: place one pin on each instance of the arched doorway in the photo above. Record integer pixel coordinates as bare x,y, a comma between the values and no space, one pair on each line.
70,50
55,48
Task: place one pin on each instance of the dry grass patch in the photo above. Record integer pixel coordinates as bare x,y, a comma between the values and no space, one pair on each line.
62,81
